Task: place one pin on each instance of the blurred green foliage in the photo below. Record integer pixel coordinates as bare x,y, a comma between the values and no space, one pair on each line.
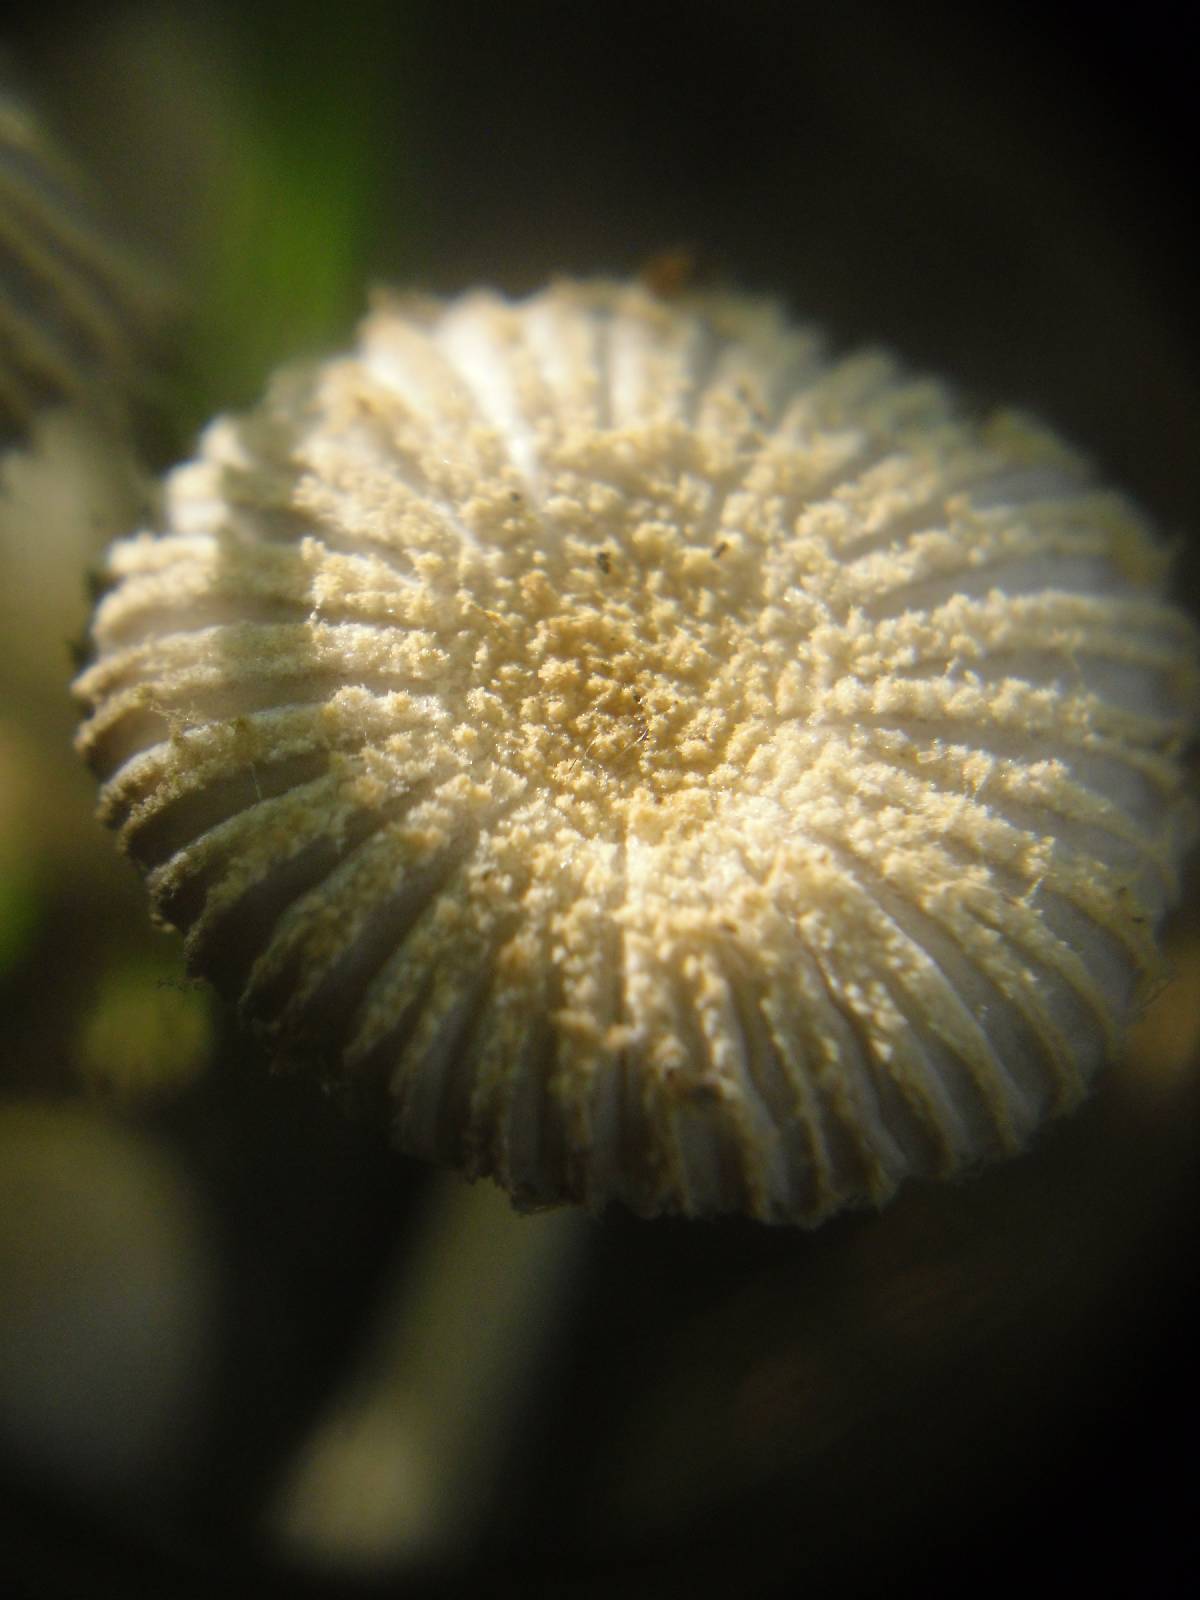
147,1031
20,902
298,207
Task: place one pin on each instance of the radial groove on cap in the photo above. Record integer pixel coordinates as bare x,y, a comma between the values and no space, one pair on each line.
678,769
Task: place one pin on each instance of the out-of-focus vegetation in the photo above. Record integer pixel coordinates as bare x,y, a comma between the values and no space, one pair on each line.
721,1400
260,155
299,198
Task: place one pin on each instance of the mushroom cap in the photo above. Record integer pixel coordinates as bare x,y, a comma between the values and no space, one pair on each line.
675,767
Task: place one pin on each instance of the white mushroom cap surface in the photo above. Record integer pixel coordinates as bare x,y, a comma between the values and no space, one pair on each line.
678,769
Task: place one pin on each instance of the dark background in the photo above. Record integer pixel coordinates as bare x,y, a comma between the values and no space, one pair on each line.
1003,196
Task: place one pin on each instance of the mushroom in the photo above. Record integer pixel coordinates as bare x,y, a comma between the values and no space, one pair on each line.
667,765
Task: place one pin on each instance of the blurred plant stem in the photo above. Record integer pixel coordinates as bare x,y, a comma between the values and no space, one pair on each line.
401,1470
